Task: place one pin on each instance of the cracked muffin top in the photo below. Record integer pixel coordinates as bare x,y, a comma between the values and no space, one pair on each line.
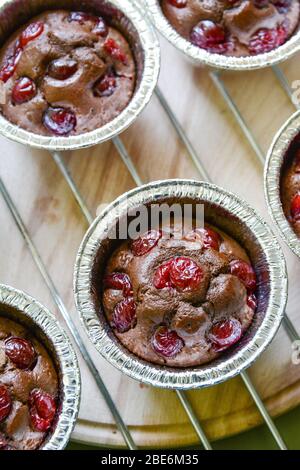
28,389
65,73
179,299
290,185
234,27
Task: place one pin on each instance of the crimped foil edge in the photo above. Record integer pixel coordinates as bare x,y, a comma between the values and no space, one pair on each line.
70,382
190,377
200,56
151,49
272,175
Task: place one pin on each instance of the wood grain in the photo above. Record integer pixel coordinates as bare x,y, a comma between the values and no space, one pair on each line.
46,204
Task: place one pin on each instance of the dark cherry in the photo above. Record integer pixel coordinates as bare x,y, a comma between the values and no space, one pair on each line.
166,342
106,86
101,28
210,238
185,274
5,402
162,276
245,273
146,242
113,49
225,333
124,315
33,31
252,302
60,121
295,207
62,68
210,36
265,40
23,91
118,281
10,65
21,352
81,17
178,3
42,409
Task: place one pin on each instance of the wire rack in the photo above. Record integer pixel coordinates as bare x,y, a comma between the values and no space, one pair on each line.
58,158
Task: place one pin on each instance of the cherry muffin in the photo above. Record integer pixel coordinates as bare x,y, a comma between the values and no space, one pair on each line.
234,27
28,388
290,185
65,73
179,298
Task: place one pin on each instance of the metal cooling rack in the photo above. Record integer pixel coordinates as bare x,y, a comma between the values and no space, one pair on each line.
126,158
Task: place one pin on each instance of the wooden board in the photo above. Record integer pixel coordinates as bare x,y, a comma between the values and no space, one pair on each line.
46,204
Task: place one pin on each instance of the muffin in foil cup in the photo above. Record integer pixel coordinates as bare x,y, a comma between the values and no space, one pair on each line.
129,19
223,210
201,56
272,176
19,307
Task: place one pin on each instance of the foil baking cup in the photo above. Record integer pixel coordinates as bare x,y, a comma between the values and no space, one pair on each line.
234,217
20,307
201,56
145,46
272,177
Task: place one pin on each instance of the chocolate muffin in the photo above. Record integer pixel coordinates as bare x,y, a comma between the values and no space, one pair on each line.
179,298
290,185
28,388
65,73
234,27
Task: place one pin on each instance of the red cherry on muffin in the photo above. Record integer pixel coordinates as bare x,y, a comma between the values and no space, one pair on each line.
210,238
146,242
178,3
114,50
162,278
265,40
106,86
33,31
166,342
10,65
210,36
124,315
59,121
225,334
42,409
252,302
185,274
62,68
295,207
118,281
5,402
24,90
82,17
245,273
21,352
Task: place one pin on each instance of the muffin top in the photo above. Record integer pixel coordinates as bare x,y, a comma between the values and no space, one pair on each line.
290,186
234,27
65,73
28,388
179,299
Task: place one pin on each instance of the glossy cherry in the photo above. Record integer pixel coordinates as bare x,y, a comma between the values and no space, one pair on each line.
33,31
82,17
210,238
210,36
60,121
166,342
265,40
113,49
10,65
252,302
62,68
21,352
24,90
124,315
118,281
42,409
5,402
225,333
185,274
178,3
162,276
146,242
245,273
295,207
106,86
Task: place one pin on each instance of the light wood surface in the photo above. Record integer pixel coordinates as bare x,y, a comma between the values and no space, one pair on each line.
47,206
